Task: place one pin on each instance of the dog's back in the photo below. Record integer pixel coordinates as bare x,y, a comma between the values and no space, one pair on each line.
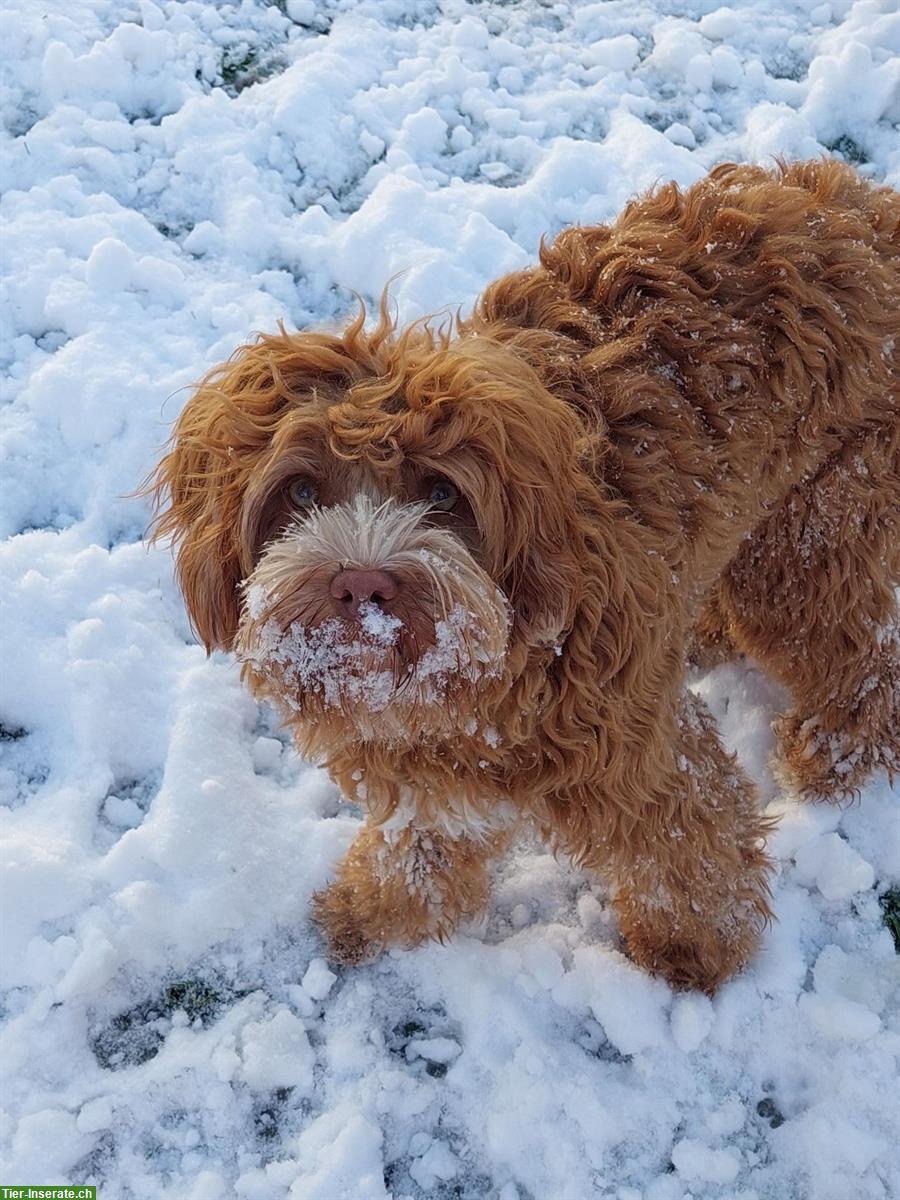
735,349
738,332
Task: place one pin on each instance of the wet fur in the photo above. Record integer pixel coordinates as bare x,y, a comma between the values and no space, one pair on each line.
678,438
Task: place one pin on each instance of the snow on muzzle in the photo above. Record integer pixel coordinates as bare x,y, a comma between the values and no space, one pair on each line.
444,631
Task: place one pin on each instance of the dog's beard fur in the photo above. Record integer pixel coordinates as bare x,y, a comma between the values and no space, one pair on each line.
419,668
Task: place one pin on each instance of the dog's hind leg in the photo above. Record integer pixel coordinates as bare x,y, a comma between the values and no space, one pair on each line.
691,873
813,598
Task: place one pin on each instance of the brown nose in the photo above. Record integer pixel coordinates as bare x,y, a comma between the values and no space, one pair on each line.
350,589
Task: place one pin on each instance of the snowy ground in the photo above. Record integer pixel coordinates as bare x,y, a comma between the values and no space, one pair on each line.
179,175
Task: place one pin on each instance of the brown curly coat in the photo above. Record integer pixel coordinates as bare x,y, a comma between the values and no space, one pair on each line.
675,437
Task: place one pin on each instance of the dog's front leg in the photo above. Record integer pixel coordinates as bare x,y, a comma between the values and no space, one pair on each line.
402,887
691,872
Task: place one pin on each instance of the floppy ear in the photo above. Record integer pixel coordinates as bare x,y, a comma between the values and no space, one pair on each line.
513,448
197,490
583,583
544,572
529,491
224,434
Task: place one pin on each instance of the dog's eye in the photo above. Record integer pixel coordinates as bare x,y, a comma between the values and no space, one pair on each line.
303,494
443,496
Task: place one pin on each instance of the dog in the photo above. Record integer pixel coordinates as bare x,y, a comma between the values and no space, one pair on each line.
471,563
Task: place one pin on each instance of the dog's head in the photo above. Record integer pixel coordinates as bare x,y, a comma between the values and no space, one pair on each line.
379,524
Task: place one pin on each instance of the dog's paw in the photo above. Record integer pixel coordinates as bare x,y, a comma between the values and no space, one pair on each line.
701,966
351,948
697,949
349,941
818,764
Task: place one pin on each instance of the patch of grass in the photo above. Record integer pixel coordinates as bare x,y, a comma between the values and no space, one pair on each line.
267,1117
849,150
237,62
769,1111
197,997
785,65
179,230
23,769
98,1163
131,1038
243,65
409,1029
890,909
137,1035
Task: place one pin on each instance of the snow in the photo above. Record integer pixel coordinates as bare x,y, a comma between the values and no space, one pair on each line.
179,175
276,1054
325,661
834,867
695,1161
839,1018
317,981
692,1019
439,1050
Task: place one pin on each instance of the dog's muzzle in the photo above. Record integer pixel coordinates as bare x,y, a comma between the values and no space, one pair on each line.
366,609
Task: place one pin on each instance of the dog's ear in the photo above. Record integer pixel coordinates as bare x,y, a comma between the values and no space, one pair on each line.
542,577
570,585
512,446
223,434
529,496
197,491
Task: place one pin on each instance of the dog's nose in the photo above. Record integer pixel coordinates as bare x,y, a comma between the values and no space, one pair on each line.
350,589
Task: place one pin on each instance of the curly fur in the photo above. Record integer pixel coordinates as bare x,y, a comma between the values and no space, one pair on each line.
675,438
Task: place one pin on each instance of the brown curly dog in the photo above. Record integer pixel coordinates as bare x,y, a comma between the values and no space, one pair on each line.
470,564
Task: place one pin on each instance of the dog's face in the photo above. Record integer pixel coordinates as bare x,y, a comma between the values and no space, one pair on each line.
379,526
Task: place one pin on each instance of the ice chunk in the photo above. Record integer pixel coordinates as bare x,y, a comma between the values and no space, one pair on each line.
834,867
